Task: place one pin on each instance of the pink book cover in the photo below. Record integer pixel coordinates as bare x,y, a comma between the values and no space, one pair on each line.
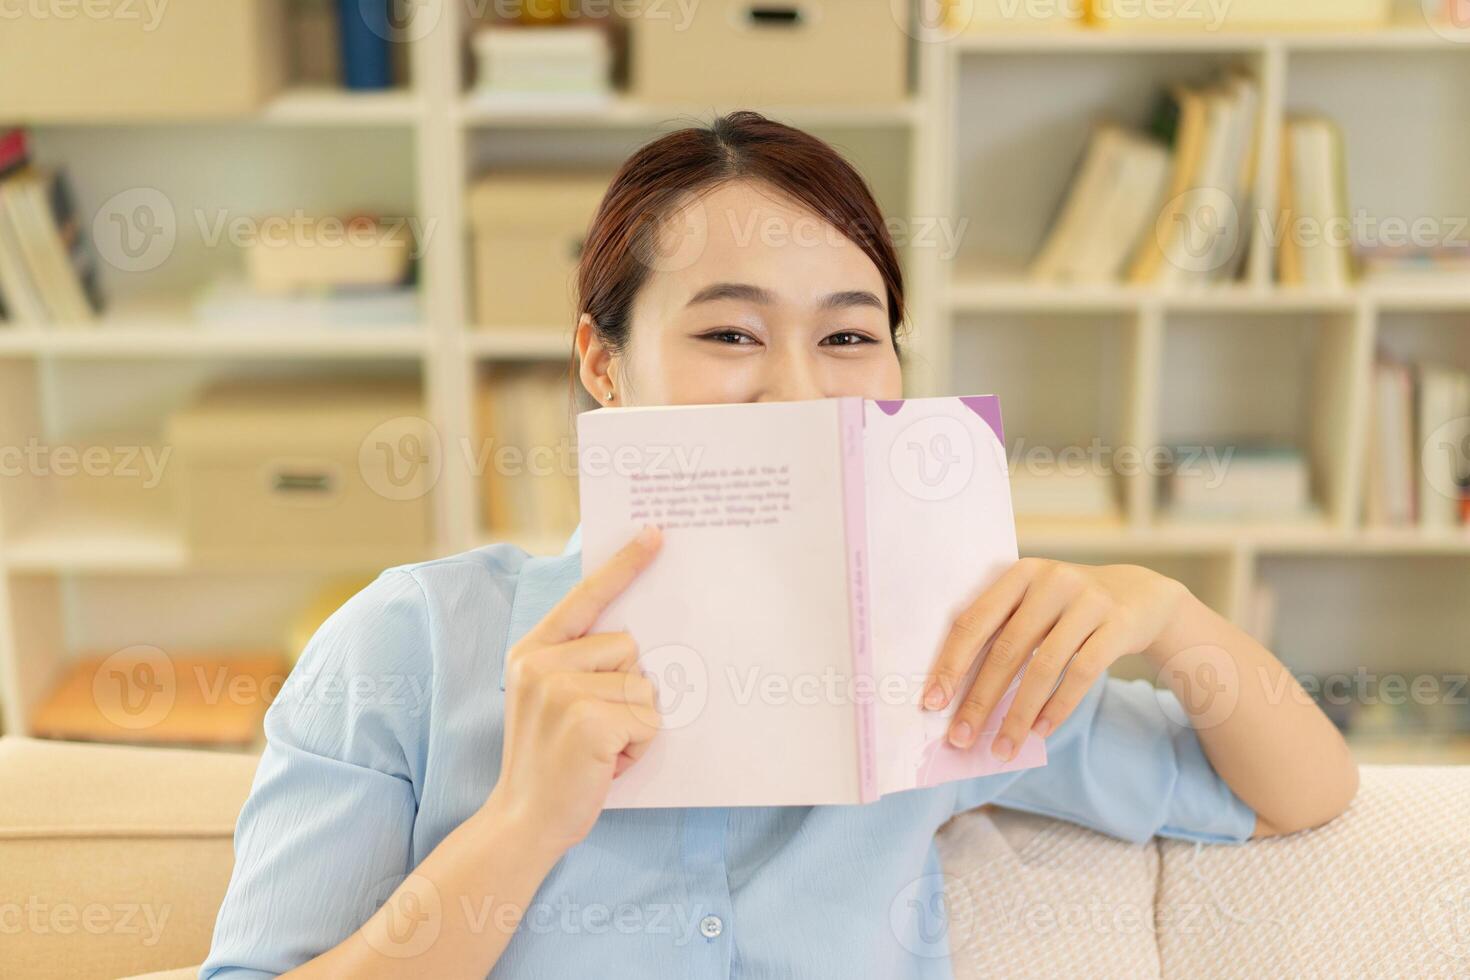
815,555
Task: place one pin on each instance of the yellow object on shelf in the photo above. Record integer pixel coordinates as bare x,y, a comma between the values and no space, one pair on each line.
328,600
146,695
1204,16
1022,16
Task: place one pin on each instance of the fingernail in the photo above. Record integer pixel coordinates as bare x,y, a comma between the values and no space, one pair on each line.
933,697
1042,727
1003,748
960,735
648,535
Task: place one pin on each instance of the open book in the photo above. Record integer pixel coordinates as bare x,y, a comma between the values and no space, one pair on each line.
815,554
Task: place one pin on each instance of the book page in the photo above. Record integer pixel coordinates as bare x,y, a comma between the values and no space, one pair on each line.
742,619
940,530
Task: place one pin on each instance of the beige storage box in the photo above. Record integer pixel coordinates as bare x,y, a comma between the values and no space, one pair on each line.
140,60
528,234
307,472
742,54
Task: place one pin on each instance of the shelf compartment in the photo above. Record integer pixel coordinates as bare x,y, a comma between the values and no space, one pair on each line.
1277,379
1068,429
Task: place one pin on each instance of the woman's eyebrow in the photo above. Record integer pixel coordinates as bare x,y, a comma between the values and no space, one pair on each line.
755,294
851,297
733,290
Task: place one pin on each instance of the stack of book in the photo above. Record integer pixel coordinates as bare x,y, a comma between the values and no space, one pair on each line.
1315,242
526,453
1418,460
48,272
1165,207
1252,481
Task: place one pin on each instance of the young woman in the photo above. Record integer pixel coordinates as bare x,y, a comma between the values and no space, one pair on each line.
410,820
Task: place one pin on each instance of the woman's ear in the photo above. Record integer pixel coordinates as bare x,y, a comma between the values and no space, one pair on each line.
595,363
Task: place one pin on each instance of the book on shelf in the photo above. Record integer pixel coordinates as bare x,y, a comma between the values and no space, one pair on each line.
48,271
1112,202
1417,268
829,542
1061,494
230,302
1314,249
1417,468
1166,206
1256,481
525,452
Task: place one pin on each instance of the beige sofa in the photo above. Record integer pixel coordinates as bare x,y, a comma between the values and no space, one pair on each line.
113,862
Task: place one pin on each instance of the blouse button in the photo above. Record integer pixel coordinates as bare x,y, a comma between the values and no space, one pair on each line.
711,926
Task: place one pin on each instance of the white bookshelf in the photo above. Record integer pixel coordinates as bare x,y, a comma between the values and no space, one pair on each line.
991,133
1010,115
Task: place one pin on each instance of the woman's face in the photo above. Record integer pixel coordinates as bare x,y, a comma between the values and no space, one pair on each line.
749,298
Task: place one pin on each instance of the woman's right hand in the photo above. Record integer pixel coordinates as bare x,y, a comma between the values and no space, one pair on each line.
577,710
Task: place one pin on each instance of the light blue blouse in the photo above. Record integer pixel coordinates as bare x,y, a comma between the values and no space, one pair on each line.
387,735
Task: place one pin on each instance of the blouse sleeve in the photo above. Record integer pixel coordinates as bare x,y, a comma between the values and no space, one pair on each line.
1120,764
325,834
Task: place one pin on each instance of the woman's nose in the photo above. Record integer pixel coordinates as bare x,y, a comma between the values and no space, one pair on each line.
792,378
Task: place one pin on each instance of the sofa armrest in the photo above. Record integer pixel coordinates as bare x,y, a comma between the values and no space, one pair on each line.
122,853
182,973
1383,890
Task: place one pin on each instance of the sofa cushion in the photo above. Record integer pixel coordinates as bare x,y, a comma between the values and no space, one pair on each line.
1029,896
1383,890
115,858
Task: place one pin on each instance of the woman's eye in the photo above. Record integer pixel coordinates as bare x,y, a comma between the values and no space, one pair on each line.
729,336
849,338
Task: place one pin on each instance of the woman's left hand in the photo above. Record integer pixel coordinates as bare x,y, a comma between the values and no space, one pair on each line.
1077,618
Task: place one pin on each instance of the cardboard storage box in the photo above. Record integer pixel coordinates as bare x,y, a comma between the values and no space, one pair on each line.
744,54
141,60
528,234
305,471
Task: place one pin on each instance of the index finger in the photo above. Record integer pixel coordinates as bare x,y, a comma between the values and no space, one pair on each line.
971,631
574,615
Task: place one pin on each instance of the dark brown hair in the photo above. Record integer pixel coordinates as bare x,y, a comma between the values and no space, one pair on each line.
658,179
